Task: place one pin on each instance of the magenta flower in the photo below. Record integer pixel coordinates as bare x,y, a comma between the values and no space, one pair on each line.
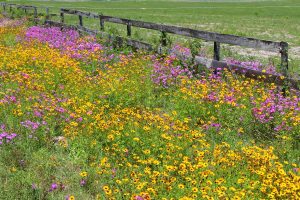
68,41
7,137
54,186
33,186
82,182
166,72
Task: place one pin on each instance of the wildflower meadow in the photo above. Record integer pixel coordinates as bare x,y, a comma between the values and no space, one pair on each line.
80,119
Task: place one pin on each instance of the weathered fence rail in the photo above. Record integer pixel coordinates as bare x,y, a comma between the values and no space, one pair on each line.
216,38
25,8
280,47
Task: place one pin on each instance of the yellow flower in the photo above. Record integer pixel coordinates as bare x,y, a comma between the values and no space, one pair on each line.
146,128
105,188
110,137
71,197
180,186
195,190
74,124
220,181
147,151
83,174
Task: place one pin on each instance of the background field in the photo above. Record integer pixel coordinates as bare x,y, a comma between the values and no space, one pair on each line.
270,20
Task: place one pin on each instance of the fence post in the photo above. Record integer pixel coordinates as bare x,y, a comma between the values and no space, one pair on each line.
217,51
4,7
163,38
128,30
47,14
101,23
80,20
284,64
284,58
62,19
35,12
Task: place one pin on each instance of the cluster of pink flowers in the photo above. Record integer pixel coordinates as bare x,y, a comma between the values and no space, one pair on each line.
6,22
275,106
68,41
254,65
181,50
184,52
31,125
7,137
8,99
167,71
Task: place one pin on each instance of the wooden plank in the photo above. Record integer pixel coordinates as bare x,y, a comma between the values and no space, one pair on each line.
80,13
27,7
249,73
59,24
120,40
130,42
86,30
205,35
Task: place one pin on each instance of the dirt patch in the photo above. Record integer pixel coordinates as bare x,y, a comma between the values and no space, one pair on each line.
294,52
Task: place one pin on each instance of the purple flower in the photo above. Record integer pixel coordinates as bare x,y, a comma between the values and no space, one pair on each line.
37,113
54,186
68,42
296,170
254,65
82,182
166,73
33,186
30,124
139,198
2,126
7,137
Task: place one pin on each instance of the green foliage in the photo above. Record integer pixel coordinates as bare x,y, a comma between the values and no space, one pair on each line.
9,40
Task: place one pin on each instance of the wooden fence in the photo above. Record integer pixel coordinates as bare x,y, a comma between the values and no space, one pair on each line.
216,38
